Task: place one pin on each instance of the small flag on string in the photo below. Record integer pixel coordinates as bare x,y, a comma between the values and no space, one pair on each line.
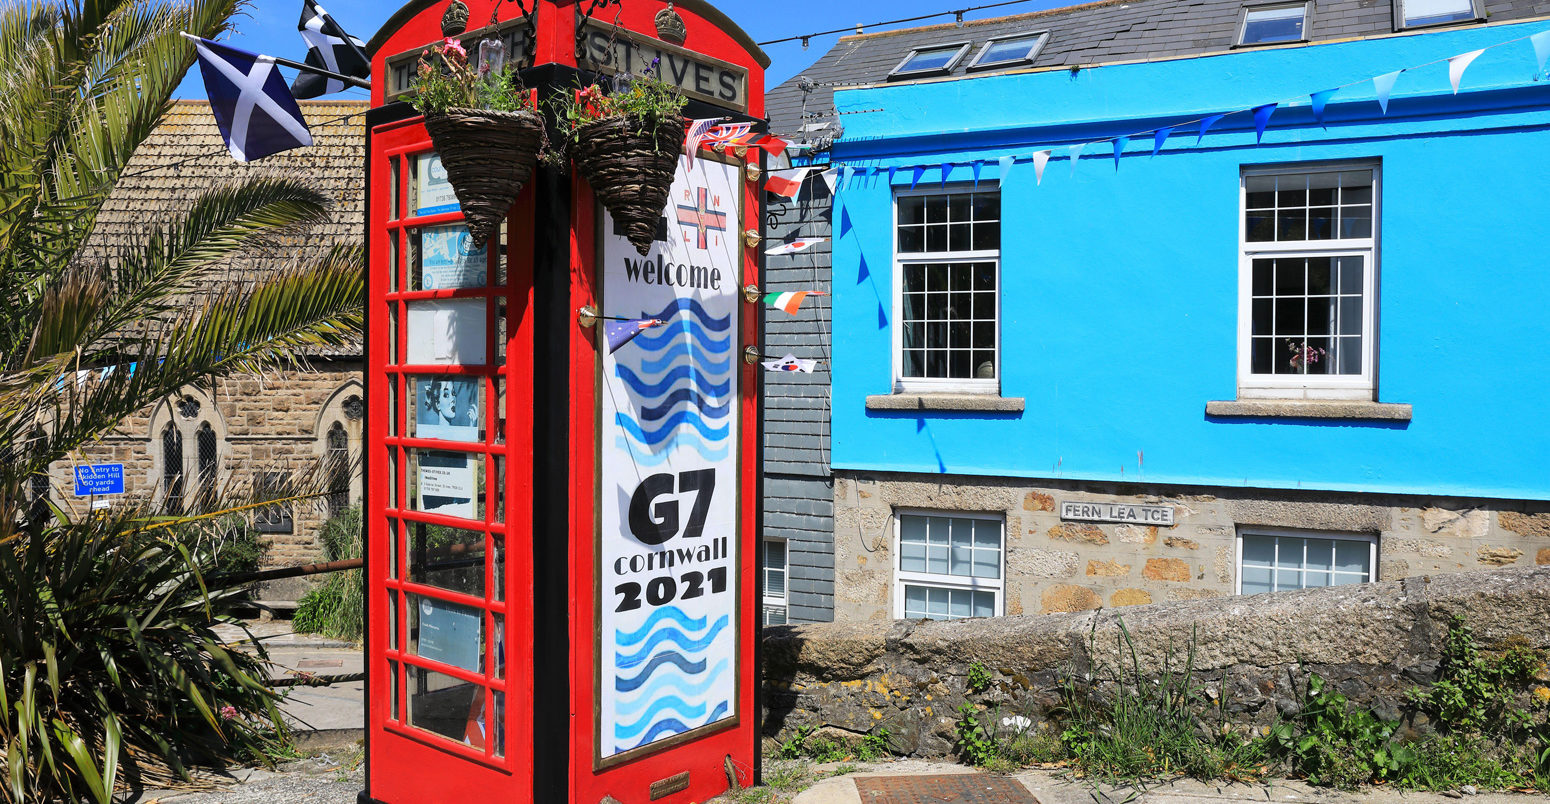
1159,138
791,363
1319,100
947,170
1205,125
799,244
1040,159
846,174
787,182
1006,167
1262,119
914,180
829,176
862,273
329,48
790,300
1119,149
1076,154
845,225
772,145
252,105
727,133
1541,43
1384,86
695,133
619,333
1458,64
976,166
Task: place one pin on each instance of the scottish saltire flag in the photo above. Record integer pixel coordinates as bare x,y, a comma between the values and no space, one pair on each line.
791,300
330,48
250,101
799,244
791,363
619,333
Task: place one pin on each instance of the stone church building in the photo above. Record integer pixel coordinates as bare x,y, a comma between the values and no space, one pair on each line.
246,431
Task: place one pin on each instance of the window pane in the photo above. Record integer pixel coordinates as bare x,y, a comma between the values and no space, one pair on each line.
936,559
912,528
958,208
987,236
1288,579
987,564
1008,50
1256,580
1320,554
984,604
987,533
912,557
912,209
961,561
1262,25
449,633
1353,556
1262,313
914,602
936,209
440,703
963,532
1429,12
449,558
1288,553
912,239
929,59
1258,550
936,602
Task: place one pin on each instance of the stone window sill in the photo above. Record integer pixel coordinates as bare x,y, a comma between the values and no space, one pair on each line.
1308,409
982,403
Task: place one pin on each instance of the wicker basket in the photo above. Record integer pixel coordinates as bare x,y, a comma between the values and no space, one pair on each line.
488,156
630,172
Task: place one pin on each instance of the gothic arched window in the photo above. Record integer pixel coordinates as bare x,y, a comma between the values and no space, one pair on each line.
172,468
338,458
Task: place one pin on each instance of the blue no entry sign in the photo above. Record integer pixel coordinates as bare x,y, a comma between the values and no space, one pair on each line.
100,478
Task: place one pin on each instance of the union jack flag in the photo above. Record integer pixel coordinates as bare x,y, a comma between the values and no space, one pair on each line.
728,133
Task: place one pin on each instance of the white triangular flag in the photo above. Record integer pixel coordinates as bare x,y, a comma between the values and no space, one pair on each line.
1076,155
1458,64
1383,85
1040,159
1006,167
1541,43
829,176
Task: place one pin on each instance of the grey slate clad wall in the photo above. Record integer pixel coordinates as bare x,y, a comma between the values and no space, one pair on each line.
798,492
1094,33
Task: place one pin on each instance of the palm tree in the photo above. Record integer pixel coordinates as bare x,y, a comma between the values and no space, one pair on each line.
107,661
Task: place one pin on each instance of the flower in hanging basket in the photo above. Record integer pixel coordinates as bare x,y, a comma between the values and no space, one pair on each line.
487,140
626,142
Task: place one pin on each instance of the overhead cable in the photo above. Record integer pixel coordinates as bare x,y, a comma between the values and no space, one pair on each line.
956,13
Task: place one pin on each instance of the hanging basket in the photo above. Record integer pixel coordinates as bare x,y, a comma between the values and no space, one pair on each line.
488,156
630,170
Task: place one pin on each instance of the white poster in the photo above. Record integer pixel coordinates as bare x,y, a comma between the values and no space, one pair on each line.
433,193
667,607
447,408
448,258
447,331
447,483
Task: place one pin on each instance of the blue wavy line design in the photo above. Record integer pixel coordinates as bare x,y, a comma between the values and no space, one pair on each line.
665,613
683,350
674,635
675,726
673,425
645,457
651,342
671,657
678,684
624,731
663,385
685,395
692,305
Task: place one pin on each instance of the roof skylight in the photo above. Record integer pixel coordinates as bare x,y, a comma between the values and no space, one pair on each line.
935,60
1264,25
1007,51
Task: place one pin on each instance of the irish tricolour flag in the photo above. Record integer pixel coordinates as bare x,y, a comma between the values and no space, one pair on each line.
790,300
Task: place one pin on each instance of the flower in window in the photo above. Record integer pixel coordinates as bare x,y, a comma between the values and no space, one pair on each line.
1303,355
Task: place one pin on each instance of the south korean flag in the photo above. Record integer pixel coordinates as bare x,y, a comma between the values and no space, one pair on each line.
330,48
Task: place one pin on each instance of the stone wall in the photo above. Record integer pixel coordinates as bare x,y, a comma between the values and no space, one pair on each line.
1054,565
275,423
1373,640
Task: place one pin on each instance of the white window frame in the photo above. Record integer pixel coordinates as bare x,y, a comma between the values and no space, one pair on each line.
1243,23
766,599
962,385
901,578
900,72
1402,22
1036,45
1369,539
1309,386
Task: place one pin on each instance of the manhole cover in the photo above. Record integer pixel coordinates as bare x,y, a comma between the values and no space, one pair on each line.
963,788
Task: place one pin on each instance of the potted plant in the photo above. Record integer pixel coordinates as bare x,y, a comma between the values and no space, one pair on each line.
487,141
626,143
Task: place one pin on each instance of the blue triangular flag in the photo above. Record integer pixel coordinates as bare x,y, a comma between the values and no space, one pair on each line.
891,171
915,179
977,165
1119,149
1541,43
1006,167
619,333
1319,100
1205,125
251,103
947,168
1384,86
1159,138
845,226
882,317
862,274
1261,119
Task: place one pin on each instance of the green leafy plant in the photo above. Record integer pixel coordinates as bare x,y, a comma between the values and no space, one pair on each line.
1330,742
444,80
1476,693
337,606
979,678
644,100
975,737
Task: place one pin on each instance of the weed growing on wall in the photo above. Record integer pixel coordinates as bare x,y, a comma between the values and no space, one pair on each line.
803,744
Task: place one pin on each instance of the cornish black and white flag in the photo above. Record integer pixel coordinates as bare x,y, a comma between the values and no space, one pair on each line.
330,48
250,101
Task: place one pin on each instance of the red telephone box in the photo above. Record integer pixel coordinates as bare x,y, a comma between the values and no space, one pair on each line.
561,562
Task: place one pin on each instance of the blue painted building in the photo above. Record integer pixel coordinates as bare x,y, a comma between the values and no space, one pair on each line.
1216,363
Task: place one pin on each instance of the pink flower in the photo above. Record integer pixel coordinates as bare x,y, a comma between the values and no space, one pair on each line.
455,46
228,712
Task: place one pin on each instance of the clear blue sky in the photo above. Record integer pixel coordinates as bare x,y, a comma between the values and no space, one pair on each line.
269,26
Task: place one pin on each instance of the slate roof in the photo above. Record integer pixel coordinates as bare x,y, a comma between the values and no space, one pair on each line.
185,155
1093,33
